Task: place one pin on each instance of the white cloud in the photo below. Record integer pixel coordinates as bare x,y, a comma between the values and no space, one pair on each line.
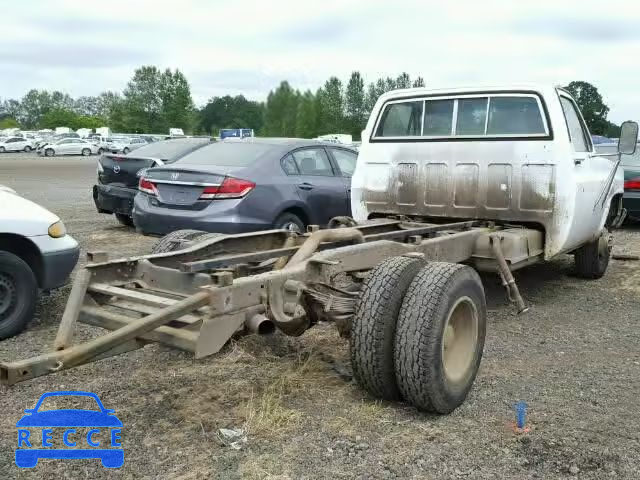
248,47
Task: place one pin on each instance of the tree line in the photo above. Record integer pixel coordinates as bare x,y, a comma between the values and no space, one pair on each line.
155,100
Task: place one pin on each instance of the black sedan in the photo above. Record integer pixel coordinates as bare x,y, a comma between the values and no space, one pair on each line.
241,186
118,174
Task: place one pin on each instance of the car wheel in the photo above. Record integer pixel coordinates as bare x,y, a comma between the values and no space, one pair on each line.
173,241
373,328
124,219
440,336
100,151
592,259
290,222
86,152
125,150
18,294
2,149
49,152
27,148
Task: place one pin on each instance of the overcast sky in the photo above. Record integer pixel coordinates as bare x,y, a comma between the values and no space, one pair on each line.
84,48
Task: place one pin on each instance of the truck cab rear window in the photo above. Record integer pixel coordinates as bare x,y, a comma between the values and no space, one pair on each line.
401,120
497,115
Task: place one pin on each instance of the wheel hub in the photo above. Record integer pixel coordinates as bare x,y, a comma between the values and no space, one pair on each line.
460,337
292,227
8,295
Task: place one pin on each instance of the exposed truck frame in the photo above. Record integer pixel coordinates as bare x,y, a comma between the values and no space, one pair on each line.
197,297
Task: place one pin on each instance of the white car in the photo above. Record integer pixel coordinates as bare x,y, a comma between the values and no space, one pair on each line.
35,254
15,144
68,146
125,145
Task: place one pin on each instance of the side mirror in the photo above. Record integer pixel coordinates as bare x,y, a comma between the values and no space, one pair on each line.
628,138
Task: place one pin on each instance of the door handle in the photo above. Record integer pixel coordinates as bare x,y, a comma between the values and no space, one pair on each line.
305,186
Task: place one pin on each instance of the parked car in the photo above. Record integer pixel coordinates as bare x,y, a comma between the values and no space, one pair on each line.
631,165
54,138
125,145
35,254
247,185
100,142
68,146
15,144
118,174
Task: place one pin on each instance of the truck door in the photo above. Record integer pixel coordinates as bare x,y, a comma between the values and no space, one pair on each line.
591,175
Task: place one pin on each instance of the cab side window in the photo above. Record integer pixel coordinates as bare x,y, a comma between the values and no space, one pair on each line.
577,131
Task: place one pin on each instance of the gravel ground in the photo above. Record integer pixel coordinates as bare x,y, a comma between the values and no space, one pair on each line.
574,358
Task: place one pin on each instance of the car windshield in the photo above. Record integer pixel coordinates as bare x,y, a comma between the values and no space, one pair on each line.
169,150
69,402
233,154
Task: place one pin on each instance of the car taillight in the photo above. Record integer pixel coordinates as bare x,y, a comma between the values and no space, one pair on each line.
632,184
230,188
147,187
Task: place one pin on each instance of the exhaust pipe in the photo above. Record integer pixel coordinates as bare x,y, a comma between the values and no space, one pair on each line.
260,324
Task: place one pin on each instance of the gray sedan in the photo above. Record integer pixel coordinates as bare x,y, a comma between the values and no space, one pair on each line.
243,186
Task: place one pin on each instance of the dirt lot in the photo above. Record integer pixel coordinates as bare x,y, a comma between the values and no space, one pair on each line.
574,358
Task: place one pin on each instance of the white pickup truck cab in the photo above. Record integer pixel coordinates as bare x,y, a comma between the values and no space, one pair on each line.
516,154
35,254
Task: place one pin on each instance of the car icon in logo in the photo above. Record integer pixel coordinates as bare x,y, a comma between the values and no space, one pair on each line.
80,433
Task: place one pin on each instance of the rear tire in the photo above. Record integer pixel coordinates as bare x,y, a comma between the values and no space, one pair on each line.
27,149
592,259
124,219
86,152
18,294
289,221
373,326
440,336
125,150
49,152
173,241
100,151
2,149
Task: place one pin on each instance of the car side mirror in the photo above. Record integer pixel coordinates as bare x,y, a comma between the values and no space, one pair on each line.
628,138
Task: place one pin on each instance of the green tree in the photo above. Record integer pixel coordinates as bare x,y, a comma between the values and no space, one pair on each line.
9,122
87,105
230,112
371,97
418,82
306,120
389,84
59,117
10,108
143,102
177,105
332,107
33,106
355,105
591,105
403,81
281,112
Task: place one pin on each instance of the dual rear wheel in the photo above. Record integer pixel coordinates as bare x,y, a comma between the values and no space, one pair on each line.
418,332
